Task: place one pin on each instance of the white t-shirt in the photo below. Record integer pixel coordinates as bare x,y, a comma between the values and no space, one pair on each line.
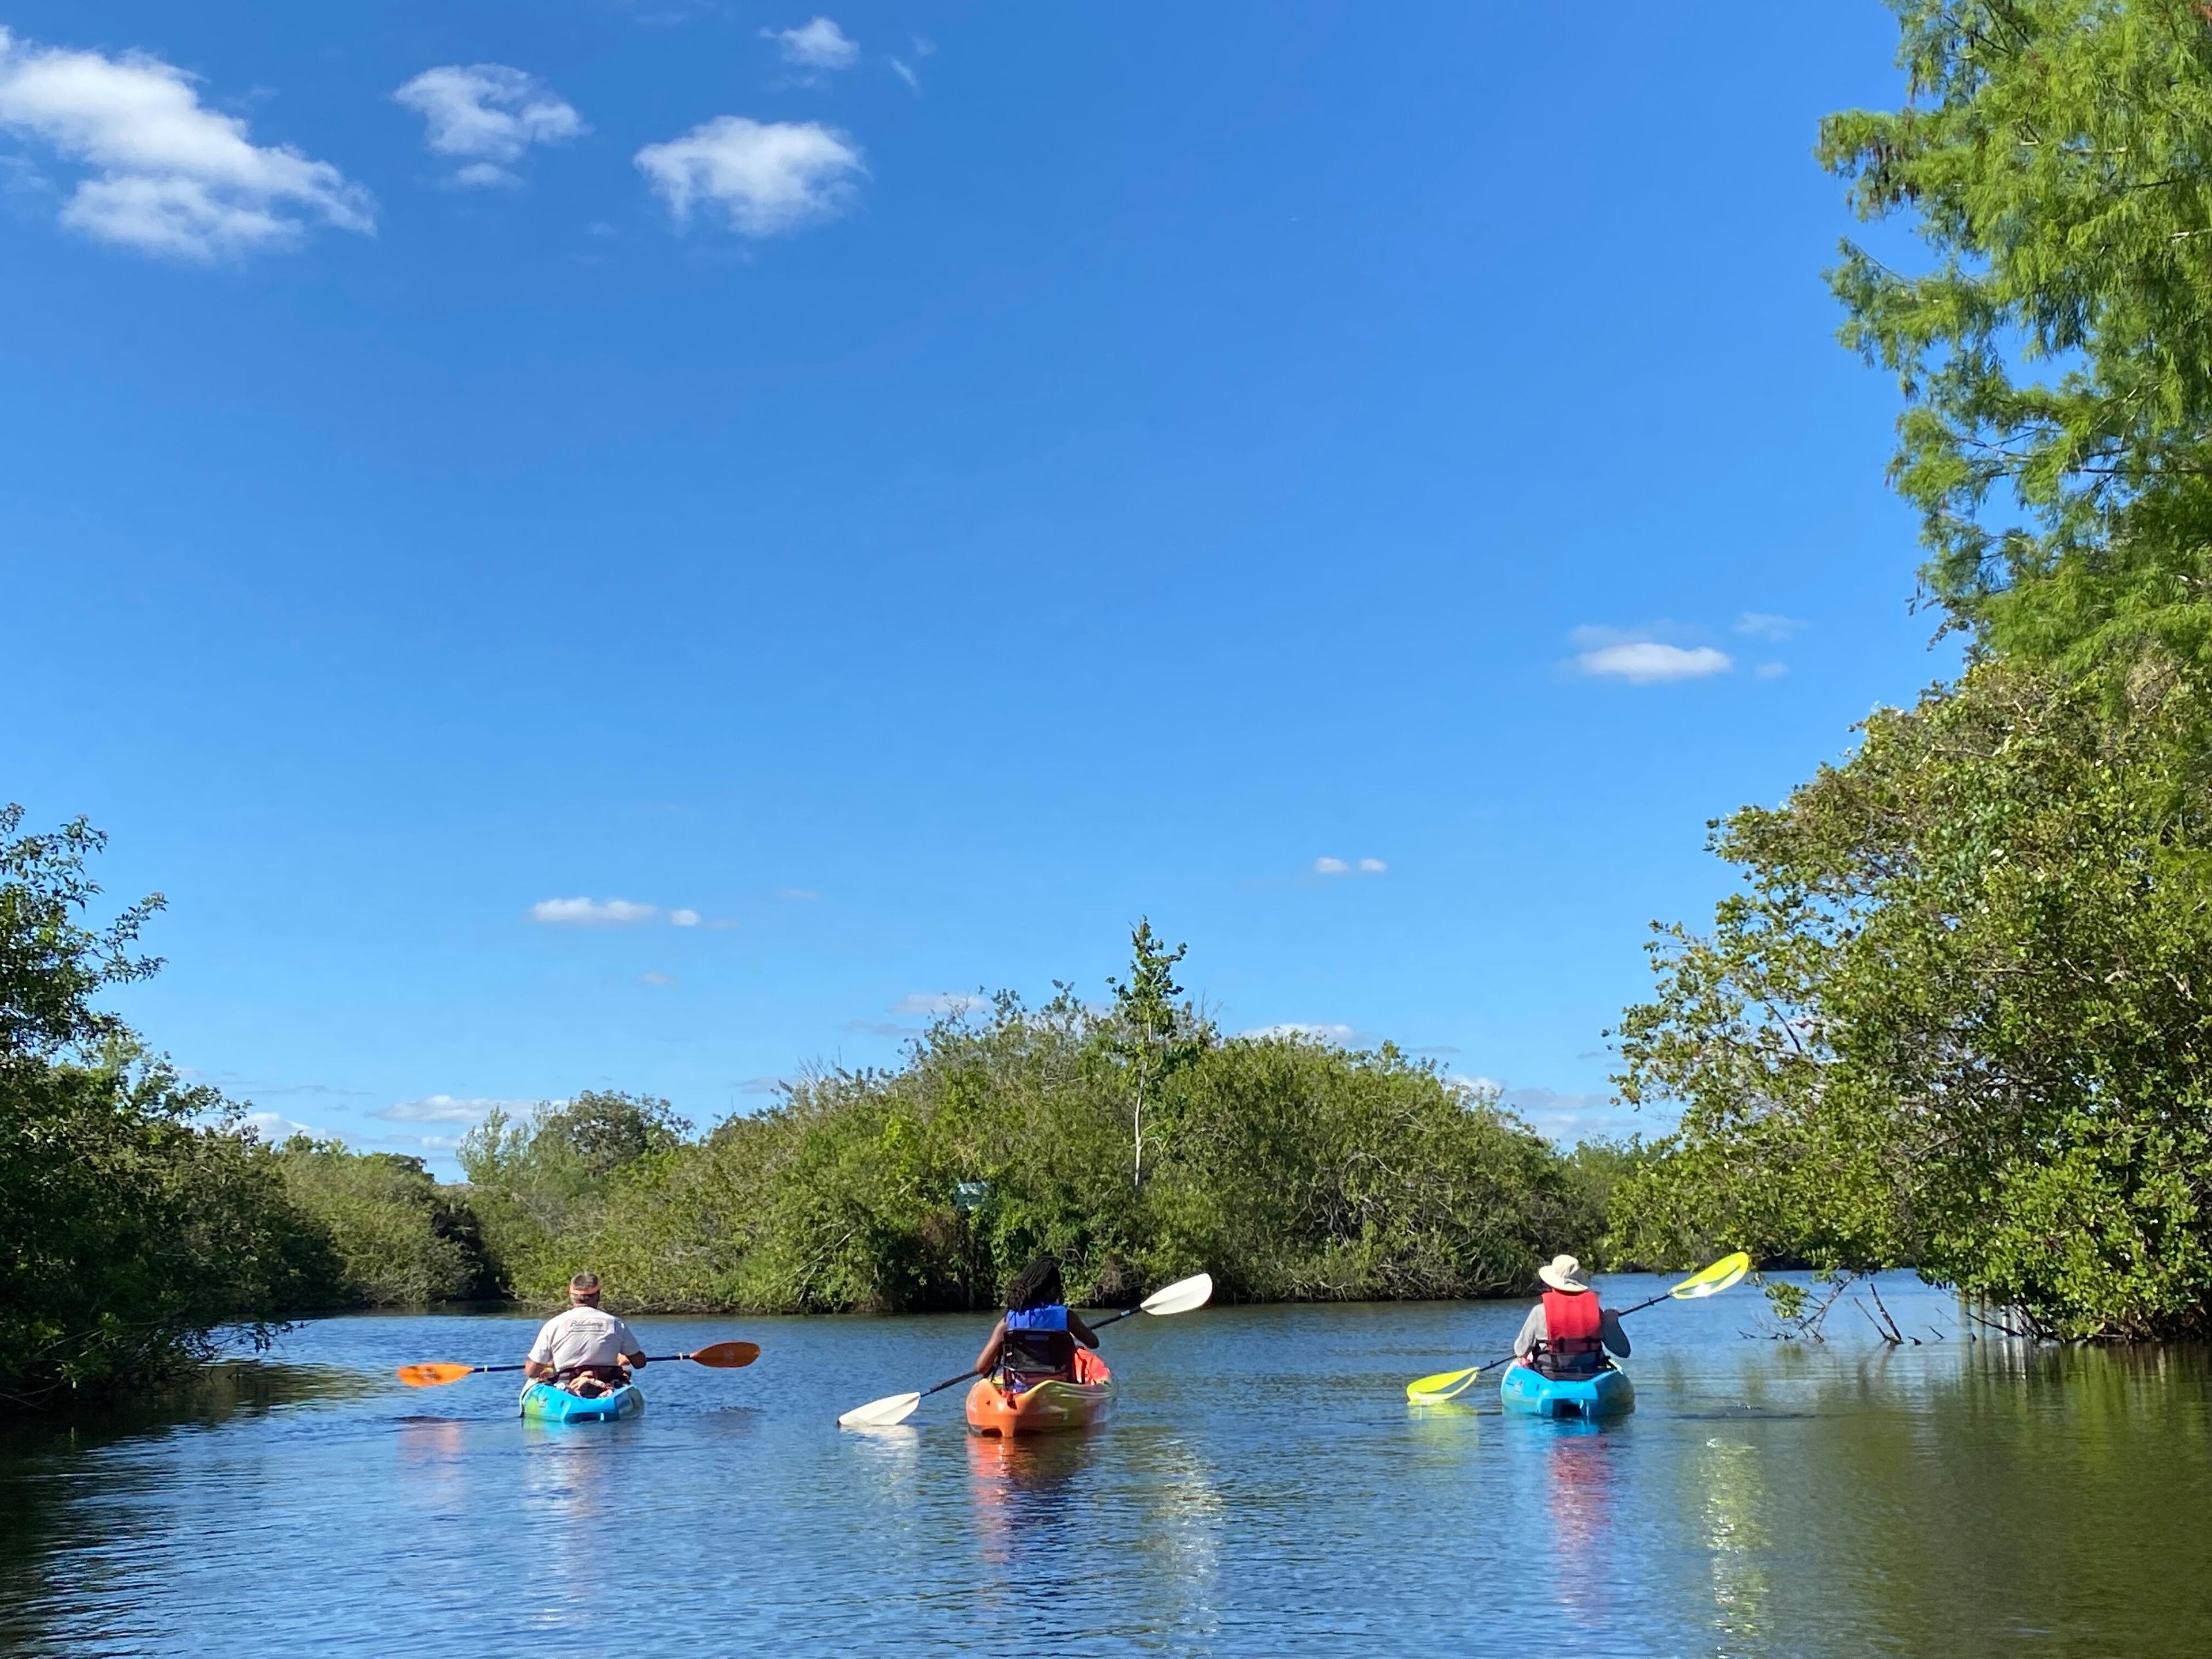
583,1336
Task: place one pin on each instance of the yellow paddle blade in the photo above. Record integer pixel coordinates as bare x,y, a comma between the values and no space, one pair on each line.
433,1376
1711,1281
881,1414
1442,1386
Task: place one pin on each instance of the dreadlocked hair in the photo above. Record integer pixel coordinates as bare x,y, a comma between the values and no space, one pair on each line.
1037,1286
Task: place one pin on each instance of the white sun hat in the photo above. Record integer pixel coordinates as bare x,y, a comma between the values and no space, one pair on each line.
1564,1273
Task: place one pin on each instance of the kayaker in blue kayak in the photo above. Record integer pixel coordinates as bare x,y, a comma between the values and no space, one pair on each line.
1038,1337
586,1350
1567,1334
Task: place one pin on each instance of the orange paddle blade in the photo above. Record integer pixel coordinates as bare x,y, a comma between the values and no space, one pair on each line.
727,1356
433,1376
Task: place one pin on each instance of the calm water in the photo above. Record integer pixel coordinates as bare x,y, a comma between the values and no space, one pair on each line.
1265,1490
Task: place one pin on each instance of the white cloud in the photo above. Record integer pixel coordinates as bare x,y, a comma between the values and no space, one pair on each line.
1342,1036
445,1108
1760,625
1329,867
274,1127
1373,868
684,918
1649,663
1609,654
487,114
939,1002
906,74
592,913
168,175
765,177
656,979
1475,1084
819,44
1771,670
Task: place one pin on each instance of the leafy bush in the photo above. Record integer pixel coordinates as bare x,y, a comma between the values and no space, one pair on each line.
1288,1169
397,1236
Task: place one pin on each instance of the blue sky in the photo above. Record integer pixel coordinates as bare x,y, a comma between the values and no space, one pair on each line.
890,498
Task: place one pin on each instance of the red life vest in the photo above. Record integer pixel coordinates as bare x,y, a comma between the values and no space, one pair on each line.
1572,1326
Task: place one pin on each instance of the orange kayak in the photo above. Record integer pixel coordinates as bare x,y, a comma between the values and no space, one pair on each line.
1046,1407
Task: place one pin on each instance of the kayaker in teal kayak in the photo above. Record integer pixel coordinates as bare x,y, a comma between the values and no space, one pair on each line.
1038,1337
1567,1334
586,1350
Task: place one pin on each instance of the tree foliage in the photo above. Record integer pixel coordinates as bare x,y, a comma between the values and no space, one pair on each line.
1957,1019
2055,349
131,1223
1293,1169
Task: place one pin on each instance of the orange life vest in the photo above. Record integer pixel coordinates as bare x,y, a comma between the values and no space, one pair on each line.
1572,1326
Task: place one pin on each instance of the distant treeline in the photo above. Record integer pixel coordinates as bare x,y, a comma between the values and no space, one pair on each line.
138,1214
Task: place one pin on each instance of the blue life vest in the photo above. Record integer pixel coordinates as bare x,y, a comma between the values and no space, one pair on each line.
1037,1340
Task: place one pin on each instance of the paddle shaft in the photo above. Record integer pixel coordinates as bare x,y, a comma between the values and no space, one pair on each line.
649,1359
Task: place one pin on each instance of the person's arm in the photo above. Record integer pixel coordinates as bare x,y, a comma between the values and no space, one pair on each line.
1609,1333
1532,1330
633,1353
1081,1331
993,1348
538,1365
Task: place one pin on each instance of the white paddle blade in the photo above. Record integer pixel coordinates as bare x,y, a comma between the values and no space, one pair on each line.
1181,1296
880,1413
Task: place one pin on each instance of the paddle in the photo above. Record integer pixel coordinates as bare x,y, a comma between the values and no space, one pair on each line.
1179,1298
722,1355
1706,1281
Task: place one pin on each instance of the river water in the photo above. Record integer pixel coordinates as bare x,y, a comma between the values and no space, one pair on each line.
1264,1489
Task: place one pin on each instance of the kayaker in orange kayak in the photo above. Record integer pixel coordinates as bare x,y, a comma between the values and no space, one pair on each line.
1038,1337
1566,1333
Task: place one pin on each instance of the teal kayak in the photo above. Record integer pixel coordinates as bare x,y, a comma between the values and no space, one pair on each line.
1607,1393
547,1404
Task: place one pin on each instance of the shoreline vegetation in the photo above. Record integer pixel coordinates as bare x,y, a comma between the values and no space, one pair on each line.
1140,1144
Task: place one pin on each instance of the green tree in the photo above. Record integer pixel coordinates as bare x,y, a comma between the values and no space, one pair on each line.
134,1220
1957,1020
1155,1032
2055,348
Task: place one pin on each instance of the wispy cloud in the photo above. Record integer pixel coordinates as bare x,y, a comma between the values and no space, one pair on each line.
880,1028
656,979
818,44
1615,654
167,176
592,913
446,1108
765,178
1340,1036
939,1002
1329,866
275,1127
487,114
613,913
797,893
1761,625
1771,670
905,72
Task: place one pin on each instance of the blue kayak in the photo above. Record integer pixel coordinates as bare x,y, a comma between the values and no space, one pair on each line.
548,1404
1607,1393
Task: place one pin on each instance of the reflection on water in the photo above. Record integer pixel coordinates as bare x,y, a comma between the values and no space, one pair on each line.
1264,1490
